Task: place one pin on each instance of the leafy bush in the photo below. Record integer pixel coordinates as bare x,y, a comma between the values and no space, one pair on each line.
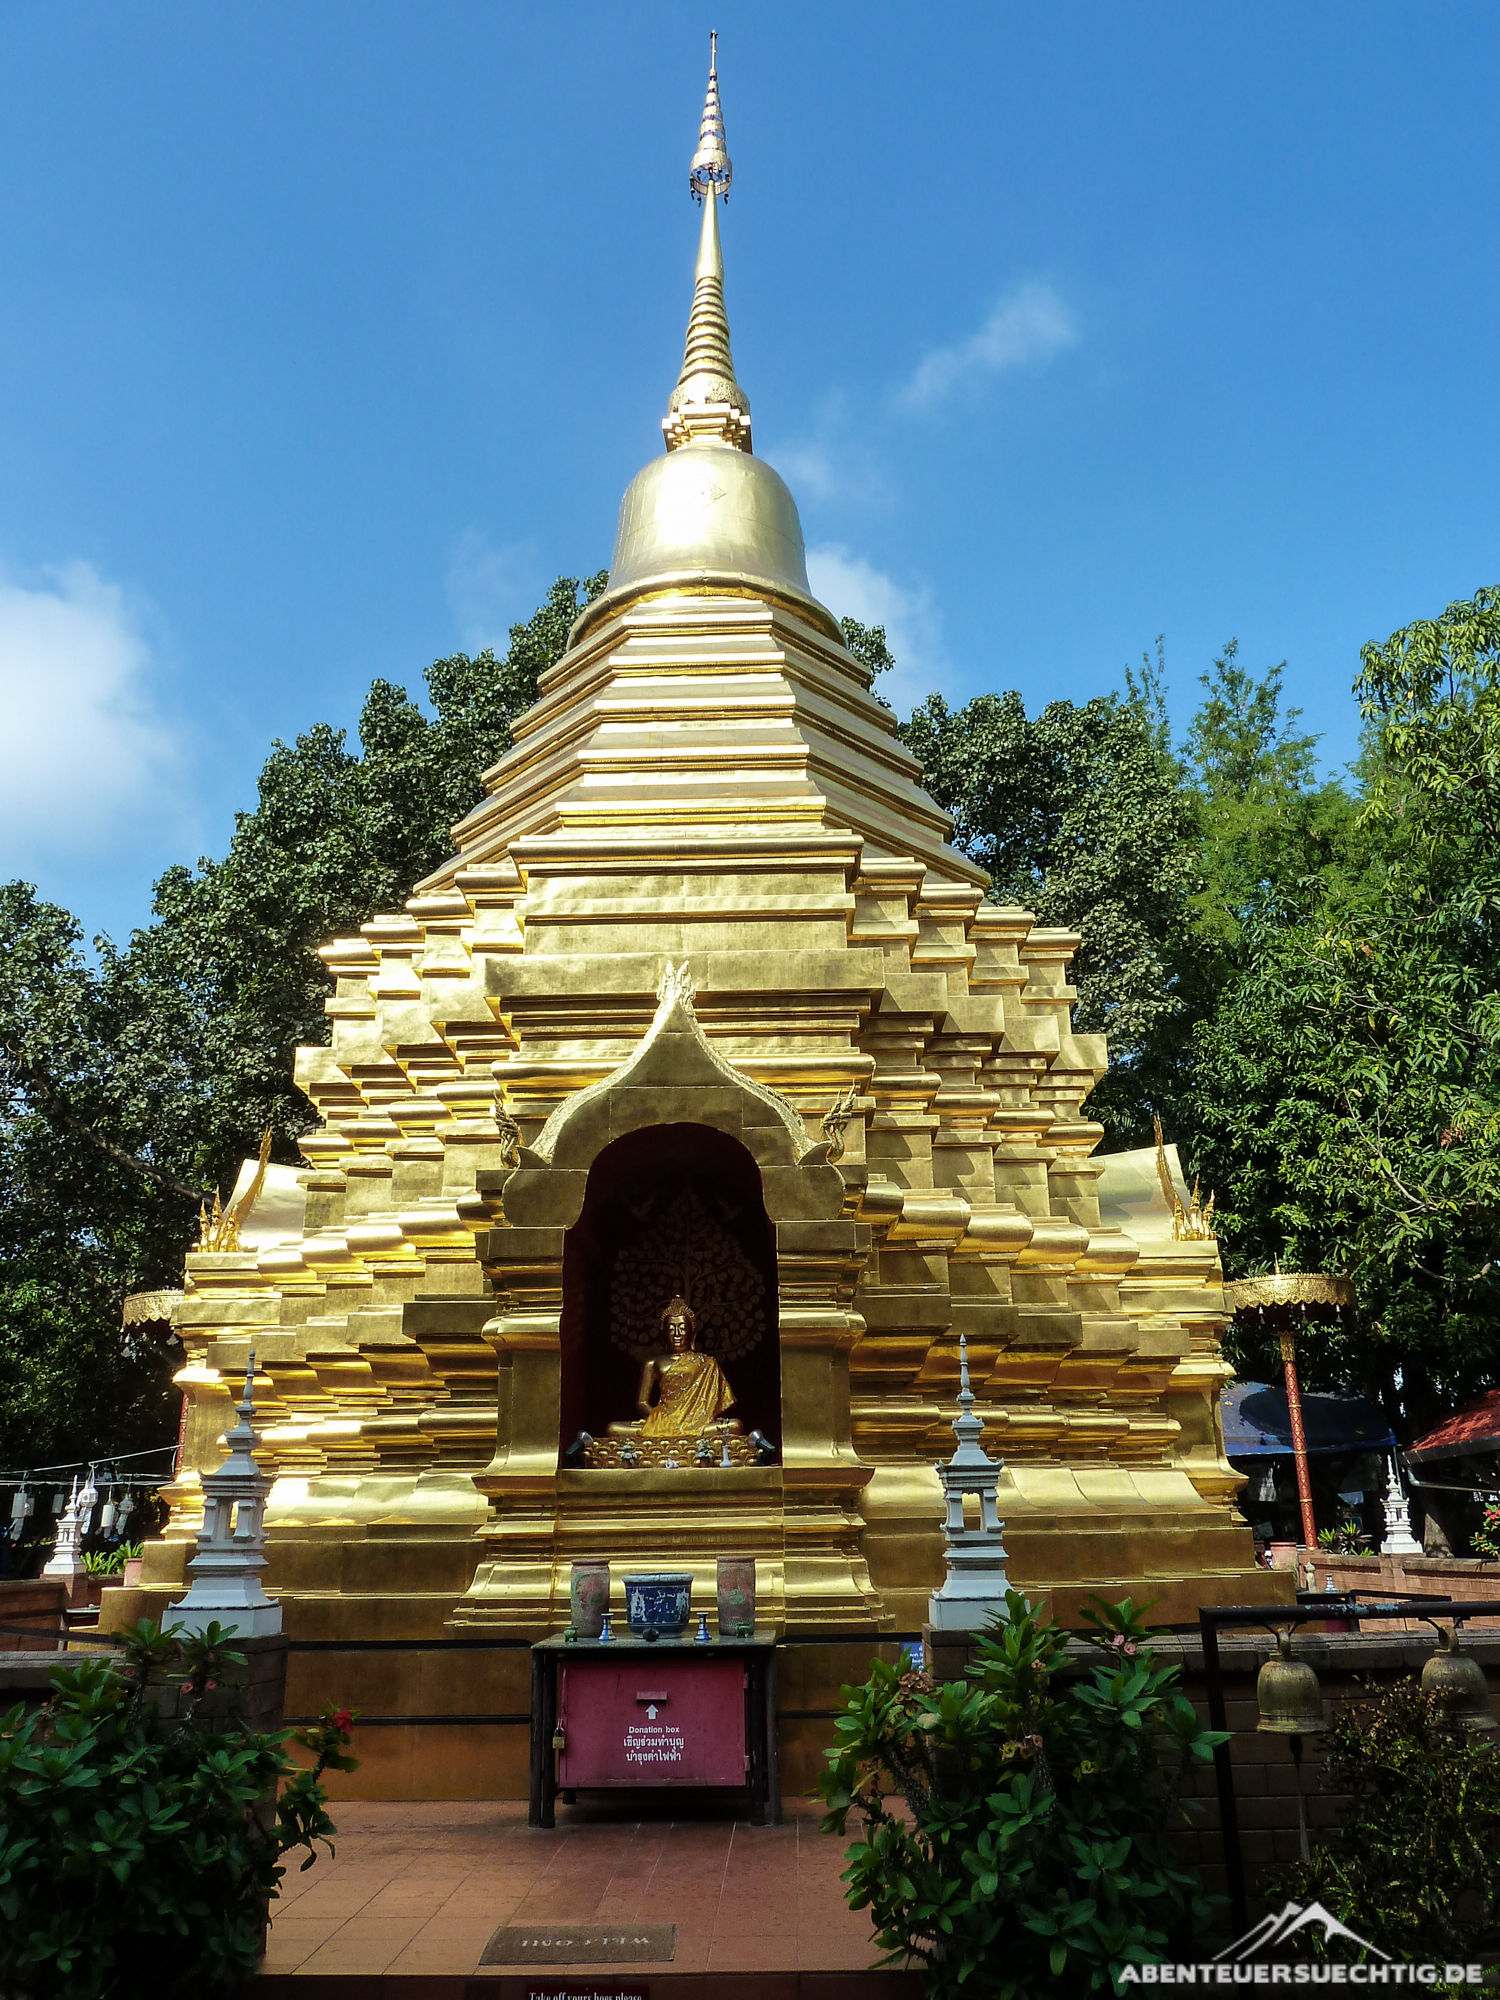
111,1562
1347,1539
1032,1854
1414,1862
1486,1536
140,1843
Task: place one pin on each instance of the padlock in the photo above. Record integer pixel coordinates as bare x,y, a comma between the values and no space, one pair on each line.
559,1742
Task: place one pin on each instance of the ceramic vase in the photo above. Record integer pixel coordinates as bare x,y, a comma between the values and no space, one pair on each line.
659,1602
588,1598
736,1596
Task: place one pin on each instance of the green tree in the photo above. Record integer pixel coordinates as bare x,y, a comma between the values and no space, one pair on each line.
1269,838
89,1203
1271,833
130,1086
869,645
1349,1080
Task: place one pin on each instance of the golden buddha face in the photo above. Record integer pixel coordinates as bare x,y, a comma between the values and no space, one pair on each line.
680,1327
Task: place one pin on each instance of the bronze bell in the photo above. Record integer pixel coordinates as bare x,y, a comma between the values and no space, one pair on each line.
1287,1694
1459,1684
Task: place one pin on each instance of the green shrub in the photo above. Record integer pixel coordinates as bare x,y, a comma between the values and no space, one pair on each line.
1347,1539
141,1840
111,1562
1414,1861
1015,1824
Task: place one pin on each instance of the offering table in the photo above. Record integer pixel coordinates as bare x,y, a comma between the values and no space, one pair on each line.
680,1713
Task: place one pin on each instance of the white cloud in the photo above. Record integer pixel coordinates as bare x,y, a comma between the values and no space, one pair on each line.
854,588
1029,324
490,588
832,459
84,754
809,465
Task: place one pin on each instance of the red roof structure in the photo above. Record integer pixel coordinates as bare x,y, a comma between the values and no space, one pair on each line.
1475,1429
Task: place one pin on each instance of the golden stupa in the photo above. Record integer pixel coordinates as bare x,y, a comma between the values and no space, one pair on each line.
704,1004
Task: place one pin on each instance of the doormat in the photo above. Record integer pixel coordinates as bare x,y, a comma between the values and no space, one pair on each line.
581,1944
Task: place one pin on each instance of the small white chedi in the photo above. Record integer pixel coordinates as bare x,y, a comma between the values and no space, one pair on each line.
975,1585
66,1559
224,1573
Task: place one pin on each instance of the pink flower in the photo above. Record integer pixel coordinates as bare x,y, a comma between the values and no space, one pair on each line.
343,1721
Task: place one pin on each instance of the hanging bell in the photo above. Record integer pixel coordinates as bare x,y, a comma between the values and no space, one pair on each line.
1459,1684
1287,1694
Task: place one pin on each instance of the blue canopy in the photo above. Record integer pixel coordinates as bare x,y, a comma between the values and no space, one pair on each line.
1257,1424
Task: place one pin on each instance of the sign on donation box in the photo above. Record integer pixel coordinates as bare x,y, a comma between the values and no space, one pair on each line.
652,1721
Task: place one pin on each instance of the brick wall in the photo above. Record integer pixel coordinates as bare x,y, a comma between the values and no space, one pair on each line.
36,1607
1374,1577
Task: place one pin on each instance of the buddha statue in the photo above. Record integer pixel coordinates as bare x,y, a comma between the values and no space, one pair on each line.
690,1391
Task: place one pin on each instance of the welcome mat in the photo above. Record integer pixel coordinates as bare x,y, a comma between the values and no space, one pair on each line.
581,1944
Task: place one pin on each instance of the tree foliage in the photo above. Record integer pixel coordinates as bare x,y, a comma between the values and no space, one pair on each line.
1271,835
1348,1080
133,1082
1413,1862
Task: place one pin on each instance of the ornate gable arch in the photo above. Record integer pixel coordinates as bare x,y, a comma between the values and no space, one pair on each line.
674,1076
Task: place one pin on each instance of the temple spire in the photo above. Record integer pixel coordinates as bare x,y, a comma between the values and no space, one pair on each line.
708,402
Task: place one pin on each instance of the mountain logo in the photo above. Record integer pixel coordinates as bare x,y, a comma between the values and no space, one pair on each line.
1275,1929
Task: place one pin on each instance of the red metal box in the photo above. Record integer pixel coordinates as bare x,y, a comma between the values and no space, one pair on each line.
652,1721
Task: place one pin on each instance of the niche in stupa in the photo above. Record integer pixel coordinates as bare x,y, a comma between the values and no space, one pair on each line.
668,1334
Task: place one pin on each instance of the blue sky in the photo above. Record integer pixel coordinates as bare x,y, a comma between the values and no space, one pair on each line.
331,332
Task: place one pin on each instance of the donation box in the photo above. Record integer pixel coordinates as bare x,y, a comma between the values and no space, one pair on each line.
644,1720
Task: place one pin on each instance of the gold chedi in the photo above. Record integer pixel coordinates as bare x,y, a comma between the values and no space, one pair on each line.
704,1004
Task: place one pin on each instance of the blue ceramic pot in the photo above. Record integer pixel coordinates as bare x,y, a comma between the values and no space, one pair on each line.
658,1602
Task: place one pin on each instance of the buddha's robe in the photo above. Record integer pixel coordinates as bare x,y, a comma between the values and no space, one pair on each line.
692,1395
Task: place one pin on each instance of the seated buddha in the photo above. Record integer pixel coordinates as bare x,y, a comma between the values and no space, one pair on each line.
689,1389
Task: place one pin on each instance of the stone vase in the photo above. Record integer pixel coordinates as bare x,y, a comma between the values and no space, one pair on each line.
736,1580
588,1598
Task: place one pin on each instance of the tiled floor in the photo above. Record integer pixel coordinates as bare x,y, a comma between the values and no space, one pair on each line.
422,1887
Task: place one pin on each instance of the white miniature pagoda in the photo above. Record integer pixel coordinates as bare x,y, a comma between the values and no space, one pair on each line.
974,1589
224,1574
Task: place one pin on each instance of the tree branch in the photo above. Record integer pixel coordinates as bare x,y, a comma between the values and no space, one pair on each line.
42,1086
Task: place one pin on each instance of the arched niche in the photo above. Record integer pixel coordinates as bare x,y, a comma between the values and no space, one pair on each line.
669,1208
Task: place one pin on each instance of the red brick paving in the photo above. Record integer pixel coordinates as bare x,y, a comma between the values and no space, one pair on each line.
420,1889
